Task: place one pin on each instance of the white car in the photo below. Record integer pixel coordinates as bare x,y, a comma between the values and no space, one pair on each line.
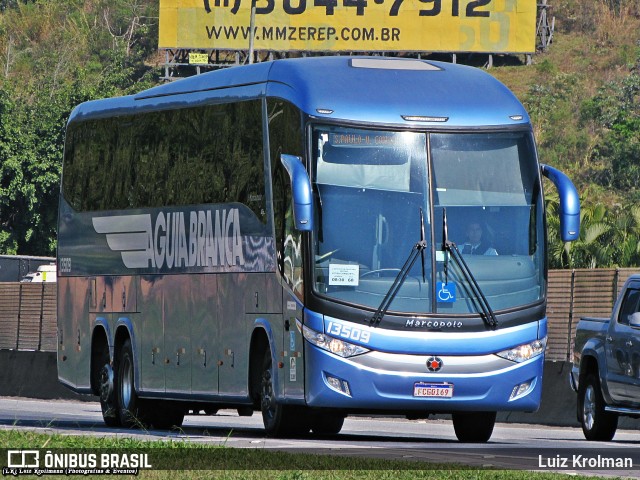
45,273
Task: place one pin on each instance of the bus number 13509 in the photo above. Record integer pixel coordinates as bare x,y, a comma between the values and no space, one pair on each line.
348,332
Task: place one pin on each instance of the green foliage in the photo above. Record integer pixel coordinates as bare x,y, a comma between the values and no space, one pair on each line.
583,98
589,16
551,106
615,110
609,237
594,137
56,54
4,4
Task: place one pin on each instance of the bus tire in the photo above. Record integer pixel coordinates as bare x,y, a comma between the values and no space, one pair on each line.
107,393
597,423
278,419
327,423
474,427
163,415
126,396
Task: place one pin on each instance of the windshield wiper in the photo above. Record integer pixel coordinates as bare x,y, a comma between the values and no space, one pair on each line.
418,249
479,299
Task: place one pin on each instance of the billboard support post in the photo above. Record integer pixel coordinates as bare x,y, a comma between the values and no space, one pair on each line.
252,29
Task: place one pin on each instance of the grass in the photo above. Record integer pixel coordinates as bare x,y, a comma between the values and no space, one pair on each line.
194,461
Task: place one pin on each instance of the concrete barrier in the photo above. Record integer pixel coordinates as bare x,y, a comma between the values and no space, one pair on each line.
558,406
35,375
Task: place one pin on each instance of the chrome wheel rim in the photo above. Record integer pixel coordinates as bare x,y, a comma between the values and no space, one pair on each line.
267,402
106,383
126,387
589,407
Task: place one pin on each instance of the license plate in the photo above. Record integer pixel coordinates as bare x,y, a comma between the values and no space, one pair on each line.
433,390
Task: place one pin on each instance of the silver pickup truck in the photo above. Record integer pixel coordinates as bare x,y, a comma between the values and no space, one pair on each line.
606,365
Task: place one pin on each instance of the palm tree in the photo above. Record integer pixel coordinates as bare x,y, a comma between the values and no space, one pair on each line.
609,237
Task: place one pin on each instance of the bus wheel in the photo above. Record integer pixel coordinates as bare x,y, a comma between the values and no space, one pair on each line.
474,427
163,415
127,399
278,419
327,424
107,397
597,424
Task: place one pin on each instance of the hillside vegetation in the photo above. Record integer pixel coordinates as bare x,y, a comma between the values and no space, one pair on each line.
583,95
55,54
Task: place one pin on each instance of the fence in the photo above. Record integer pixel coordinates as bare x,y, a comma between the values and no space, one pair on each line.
28,310
579,293
28,316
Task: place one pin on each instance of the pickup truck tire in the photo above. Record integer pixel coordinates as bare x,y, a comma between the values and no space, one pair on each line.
597,424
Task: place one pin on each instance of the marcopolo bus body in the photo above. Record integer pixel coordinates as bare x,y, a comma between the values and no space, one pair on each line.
291,237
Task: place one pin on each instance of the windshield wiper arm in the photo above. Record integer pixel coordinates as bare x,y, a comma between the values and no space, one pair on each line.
418,249
423,241
448,246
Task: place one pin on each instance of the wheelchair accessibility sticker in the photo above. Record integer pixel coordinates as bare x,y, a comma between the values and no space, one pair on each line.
446,292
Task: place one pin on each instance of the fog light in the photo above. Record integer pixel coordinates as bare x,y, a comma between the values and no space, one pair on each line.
334,383
521,390
345,388
337,384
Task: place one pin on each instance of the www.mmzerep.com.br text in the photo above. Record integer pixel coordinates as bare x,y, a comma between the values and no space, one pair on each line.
305,34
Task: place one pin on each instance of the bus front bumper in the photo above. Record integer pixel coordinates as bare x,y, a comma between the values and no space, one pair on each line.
400,383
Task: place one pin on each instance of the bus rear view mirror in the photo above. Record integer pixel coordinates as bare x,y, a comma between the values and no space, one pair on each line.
301,192
569,203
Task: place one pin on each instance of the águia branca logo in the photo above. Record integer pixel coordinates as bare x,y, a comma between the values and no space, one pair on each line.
200,238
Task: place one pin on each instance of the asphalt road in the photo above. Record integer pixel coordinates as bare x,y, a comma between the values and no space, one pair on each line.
511,446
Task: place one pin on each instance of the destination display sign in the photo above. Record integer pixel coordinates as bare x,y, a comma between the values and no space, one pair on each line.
492,26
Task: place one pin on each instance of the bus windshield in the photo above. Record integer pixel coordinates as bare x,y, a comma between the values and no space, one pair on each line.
371,187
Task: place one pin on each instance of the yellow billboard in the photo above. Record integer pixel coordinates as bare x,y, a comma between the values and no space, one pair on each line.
492,26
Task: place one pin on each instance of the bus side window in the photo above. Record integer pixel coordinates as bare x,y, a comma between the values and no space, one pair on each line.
288,239
284,137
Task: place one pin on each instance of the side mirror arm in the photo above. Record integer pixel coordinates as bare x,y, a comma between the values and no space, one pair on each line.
301,192
569,203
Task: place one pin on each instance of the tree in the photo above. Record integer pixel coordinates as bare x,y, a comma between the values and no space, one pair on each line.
615,109
609,237
58,53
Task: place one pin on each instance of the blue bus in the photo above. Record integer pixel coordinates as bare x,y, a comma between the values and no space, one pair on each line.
294,237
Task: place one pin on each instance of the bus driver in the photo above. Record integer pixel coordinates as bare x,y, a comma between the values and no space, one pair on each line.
475,244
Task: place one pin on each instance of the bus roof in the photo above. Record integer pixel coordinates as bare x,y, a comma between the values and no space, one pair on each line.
390,91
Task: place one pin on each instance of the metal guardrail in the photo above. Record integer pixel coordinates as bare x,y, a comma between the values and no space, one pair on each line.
28,310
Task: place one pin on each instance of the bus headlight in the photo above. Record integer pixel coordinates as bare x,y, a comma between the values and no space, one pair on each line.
331,344
524,352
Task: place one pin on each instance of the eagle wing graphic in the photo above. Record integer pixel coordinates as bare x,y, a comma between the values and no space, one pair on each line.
130,235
